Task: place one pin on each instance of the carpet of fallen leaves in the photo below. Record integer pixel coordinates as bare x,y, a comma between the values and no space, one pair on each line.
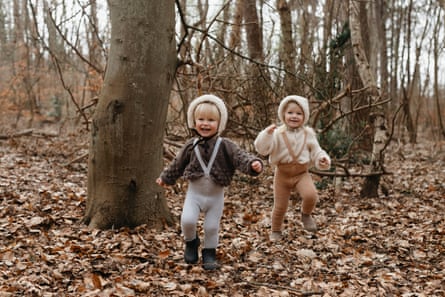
393,245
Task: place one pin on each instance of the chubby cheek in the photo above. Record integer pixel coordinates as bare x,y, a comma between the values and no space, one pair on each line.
213,126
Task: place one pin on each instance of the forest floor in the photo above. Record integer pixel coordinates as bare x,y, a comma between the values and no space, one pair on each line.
393,245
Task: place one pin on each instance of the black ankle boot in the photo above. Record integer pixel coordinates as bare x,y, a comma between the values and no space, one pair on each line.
191,251
209,259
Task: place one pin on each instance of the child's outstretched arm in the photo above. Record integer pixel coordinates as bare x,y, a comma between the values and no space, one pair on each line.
240,159
264,141
176,168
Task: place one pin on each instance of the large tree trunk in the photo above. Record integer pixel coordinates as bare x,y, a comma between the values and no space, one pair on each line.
128,126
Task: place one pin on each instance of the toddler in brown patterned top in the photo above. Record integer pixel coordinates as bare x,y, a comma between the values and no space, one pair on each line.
208,162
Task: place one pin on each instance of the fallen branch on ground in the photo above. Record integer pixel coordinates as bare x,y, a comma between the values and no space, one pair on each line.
28,132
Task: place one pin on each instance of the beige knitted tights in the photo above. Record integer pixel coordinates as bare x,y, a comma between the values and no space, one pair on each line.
289,177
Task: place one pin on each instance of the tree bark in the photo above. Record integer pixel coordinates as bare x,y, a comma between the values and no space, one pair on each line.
256,86
381,20
253,30
409,118
361,60
378,121
436,46
235,33
305,45
288,52
127,130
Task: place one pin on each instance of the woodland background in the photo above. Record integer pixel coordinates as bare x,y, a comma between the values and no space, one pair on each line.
251,53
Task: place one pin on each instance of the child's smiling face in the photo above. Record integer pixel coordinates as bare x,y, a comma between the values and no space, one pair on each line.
207,119
293,115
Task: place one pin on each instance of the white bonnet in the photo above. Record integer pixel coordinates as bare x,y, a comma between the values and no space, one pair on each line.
219,103
301,101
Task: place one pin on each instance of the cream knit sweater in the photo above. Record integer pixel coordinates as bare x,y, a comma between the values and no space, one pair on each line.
273,145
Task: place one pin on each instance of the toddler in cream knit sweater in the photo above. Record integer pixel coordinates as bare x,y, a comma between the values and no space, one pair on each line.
292,148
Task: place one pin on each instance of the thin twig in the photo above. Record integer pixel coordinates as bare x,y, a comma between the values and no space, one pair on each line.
76,159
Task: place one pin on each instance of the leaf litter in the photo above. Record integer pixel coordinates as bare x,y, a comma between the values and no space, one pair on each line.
392,245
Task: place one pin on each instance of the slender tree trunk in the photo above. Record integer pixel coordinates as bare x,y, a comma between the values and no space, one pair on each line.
127,131
287,49
258,77
219,51
254,35
235,33
305,44
436,50
381,19
371,184
396,21
361,59
355,66
409,96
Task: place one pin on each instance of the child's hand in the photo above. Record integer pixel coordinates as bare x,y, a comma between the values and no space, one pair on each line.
257,166
324,162
271,128
160,182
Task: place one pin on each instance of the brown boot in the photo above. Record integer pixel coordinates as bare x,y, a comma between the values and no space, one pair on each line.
308,222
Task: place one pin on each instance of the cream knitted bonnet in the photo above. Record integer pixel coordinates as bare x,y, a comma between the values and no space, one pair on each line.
301,101
211,99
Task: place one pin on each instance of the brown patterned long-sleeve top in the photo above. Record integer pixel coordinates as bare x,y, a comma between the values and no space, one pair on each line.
230,157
